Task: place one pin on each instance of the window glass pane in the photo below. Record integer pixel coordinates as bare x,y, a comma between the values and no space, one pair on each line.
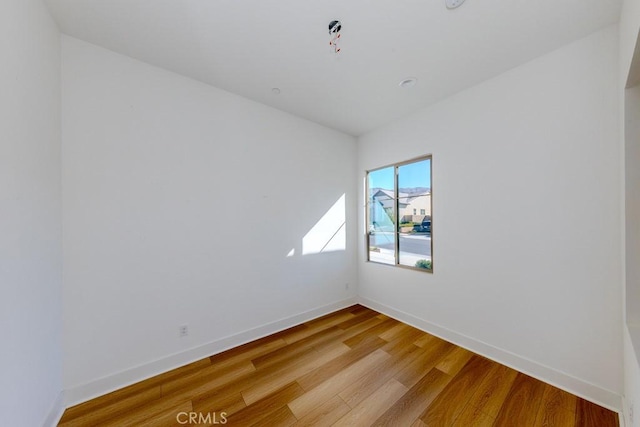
414,231
381,224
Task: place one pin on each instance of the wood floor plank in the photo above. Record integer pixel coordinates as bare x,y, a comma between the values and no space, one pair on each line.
357,309
428,340
373,406
326,414
150,417
267,405
281,335
451,401
591,415
426,359
409,407
318,326
453,362
521,404
396,331
380,328
363,328
332,386
555,417
560,397
213,376
330,318
248,351
213,387
209,384
109,407
135,392
558,408
494,388
169,375
472,416
357,319
291,351
354,367
276,380
223,400
326,371
366,385
332,315
211,396
212,392
252,352
402,342
282,417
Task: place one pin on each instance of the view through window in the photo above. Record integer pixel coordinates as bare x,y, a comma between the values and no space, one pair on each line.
396,235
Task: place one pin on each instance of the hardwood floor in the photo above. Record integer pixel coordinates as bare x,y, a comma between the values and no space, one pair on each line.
354,367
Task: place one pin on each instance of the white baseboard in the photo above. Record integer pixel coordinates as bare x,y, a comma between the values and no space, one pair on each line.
56,412
586,390
101,386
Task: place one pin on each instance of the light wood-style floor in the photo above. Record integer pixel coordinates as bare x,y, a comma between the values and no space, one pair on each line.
354,367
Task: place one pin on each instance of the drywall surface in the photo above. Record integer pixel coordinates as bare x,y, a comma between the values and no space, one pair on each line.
628,29
630,102
632,203
30,212
187,205
527,218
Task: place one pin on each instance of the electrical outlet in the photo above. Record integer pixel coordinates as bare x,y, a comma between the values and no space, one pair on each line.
452,4
184,330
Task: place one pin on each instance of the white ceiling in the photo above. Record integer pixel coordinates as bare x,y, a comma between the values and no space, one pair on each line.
250,46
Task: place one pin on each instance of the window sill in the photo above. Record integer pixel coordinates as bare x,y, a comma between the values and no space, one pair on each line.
404,267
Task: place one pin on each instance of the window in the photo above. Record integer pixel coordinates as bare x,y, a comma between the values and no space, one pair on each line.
393,192
414,211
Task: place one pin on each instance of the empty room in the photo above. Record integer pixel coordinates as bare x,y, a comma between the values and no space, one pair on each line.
286,213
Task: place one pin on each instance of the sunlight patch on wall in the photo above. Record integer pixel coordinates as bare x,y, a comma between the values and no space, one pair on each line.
329,234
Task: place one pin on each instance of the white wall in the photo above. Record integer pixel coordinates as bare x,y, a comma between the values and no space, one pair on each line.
631,382
632,209
628,28
30,215
630,101
532,279
155,166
